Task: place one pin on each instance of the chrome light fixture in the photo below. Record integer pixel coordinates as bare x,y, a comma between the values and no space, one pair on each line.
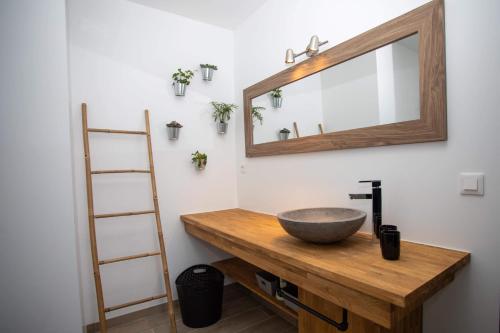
311,50
290,56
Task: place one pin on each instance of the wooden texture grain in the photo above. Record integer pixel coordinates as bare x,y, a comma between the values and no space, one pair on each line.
140,212
428,22
91,219
411,323
351,273
362,304
125,258
159,228
113,131
100,172
92,230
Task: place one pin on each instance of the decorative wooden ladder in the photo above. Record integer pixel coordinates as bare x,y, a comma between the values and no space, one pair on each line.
93,242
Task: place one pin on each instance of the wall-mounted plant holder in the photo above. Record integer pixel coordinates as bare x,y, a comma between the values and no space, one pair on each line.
283,134
199,160
221,127
276,98
222,114
207,71
173,129
179,88
182,79
257,114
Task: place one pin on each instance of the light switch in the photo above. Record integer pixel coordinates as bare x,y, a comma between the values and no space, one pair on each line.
472,183
469,183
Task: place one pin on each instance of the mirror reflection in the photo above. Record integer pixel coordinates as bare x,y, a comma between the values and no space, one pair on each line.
379,87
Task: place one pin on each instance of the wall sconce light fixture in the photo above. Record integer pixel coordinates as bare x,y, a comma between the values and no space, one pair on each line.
311,50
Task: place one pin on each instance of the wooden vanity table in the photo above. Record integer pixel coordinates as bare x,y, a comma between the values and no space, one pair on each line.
379,295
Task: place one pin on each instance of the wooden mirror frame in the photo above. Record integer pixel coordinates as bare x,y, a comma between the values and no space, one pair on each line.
428,22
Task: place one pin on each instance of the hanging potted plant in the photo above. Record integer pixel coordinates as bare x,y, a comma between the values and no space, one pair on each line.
284,133
222,113
199,160
173,129
276,98
207,71
256,113
181,80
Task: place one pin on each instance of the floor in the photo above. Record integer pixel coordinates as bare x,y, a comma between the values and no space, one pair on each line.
241,313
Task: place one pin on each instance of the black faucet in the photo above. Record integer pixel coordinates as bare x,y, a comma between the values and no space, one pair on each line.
376,197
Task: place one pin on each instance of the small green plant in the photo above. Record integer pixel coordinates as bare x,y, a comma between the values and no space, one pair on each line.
208,66
199,159
256,113
276,93
183,76
284,130
222,111
174,124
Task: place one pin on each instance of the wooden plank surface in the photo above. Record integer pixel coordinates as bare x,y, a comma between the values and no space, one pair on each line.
411,323
364,305
355,263
244,273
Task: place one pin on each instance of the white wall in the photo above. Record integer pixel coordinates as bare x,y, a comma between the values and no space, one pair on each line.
38,260
420,181
122,55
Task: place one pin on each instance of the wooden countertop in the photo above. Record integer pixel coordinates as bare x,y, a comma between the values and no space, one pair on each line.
355,263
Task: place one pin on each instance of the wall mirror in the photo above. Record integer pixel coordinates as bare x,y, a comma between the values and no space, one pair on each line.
383,87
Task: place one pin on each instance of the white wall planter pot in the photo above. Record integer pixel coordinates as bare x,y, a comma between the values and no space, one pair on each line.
221,128
276,102
207,73
179,89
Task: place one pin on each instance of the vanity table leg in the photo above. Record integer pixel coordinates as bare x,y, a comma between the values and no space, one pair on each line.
411,323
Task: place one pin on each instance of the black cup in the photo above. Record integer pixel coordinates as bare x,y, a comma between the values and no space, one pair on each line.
385,227
390,244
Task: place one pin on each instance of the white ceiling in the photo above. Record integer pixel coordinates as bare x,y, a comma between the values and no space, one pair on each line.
224,13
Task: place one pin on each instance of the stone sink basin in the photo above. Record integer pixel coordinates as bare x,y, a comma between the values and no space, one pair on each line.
322,225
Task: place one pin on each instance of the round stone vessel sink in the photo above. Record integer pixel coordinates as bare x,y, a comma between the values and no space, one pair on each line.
322,225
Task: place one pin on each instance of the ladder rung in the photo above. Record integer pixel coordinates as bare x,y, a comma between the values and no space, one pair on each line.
98,172
103,216
124,305
105,130
136,256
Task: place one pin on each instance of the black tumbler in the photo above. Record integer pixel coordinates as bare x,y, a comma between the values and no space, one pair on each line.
385,227
390,244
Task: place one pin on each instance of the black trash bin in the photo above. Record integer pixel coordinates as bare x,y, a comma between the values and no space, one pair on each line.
200,289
